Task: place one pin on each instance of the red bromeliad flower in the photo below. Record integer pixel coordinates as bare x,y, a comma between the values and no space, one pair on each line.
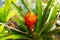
30,20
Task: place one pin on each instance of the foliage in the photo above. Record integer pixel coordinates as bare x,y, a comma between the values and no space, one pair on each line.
42,28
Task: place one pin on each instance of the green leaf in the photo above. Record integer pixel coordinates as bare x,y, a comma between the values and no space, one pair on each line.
14,37
53,32
54,13
14,1
22,24
45,13
39,17
18,11
10,15
3,34
23,6
1,14
24,3
46,28
1,27
49,39
21,33
30,3
5,11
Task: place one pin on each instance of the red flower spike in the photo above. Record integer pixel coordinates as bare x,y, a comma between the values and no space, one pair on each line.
30,20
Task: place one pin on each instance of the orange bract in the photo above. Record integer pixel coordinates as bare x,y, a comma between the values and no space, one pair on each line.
30,19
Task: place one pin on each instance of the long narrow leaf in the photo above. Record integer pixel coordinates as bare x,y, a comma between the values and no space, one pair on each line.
54,13
53,32
39,13
6,9
14,37
17,11
45,16
10,15
1,15
22,24
47,26
24,6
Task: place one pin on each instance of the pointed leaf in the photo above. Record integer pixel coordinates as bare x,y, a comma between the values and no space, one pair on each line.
18,11
39,17
45,16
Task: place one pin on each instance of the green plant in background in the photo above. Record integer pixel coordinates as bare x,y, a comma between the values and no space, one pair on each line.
5,14
36,23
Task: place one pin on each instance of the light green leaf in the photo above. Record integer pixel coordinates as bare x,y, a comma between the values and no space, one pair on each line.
14,1
3,34
5,11
13,36
1,27
1,14
18,11
10,15
30,3
54,13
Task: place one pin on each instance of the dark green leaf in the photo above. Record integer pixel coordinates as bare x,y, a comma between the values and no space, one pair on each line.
19,33
22,24
46,28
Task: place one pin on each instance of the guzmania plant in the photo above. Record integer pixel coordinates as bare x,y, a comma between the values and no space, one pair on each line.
35,22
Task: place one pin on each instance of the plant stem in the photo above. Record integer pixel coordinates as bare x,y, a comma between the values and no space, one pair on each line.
16,30
12,28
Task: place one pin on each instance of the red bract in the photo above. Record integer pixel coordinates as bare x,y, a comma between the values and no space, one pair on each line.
30,19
